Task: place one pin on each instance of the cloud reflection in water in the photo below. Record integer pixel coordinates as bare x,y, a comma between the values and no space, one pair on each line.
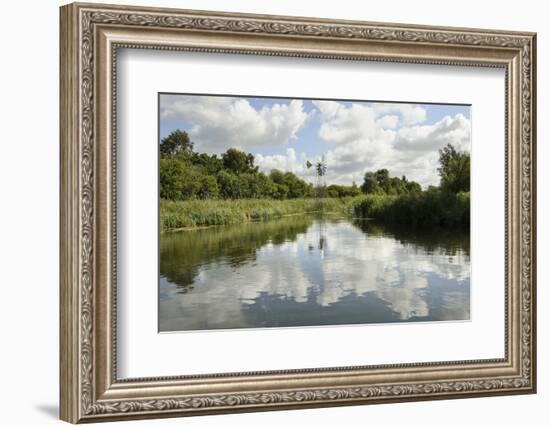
302,272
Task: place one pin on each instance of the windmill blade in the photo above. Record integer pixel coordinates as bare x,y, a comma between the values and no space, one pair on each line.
309,164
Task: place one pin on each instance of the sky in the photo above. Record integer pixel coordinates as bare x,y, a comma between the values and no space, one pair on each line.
354,136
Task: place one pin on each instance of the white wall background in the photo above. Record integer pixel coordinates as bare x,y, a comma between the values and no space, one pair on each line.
29,171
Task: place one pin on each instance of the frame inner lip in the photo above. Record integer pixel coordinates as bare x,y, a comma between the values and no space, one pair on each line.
343,370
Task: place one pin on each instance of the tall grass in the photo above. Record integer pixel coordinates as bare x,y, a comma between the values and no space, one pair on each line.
426,209
196,213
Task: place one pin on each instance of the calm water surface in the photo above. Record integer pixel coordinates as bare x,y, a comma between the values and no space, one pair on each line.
305,271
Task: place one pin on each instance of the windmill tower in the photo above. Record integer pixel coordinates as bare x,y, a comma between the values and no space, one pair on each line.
321,169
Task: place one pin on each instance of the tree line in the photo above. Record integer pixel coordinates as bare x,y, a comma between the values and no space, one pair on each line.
186,174
454,172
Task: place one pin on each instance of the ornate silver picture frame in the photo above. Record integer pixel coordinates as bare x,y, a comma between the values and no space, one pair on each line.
91,390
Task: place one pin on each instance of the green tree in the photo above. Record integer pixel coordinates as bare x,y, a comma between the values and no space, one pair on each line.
413,187
289,185
237,161
383,178
370,184
333,190
245,186
176,144
171,184
281,191
380,182
454,169
208,187
396,186
340,190
277,176
227,184
267,187
296,187
211,164
278,179
178,181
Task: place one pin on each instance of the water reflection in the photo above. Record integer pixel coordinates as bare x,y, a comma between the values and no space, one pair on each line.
302,271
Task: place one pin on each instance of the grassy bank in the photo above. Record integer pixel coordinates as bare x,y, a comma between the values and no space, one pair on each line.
197,213
426,209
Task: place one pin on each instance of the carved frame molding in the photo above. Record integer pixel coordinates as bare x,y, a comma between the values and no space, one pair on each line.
90,36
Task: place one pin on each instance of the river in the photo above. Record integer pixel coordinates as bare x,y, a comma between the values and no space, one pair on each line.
311,271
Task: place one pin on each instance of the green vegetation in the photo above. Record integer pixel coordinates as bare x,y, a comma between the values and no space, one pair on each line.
198,189
454,170
198,213
432,208
398,201
342,191
380,182
182,258
450,241
188,175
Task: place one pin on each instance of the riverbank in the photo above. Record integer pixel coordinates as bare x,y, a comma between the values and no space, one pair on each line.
426,209
429,208
200,213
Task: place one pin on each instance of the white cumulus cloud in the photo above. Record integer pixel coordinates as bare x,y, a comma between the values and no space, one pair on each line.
367,137
287,162
223,122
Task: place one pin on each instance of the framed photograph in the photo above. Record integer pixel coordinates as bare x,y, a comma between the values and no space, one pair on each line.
266,212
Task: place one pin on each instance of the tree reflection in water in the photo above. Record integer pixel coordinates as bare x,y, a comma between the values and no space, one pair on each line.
284,273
